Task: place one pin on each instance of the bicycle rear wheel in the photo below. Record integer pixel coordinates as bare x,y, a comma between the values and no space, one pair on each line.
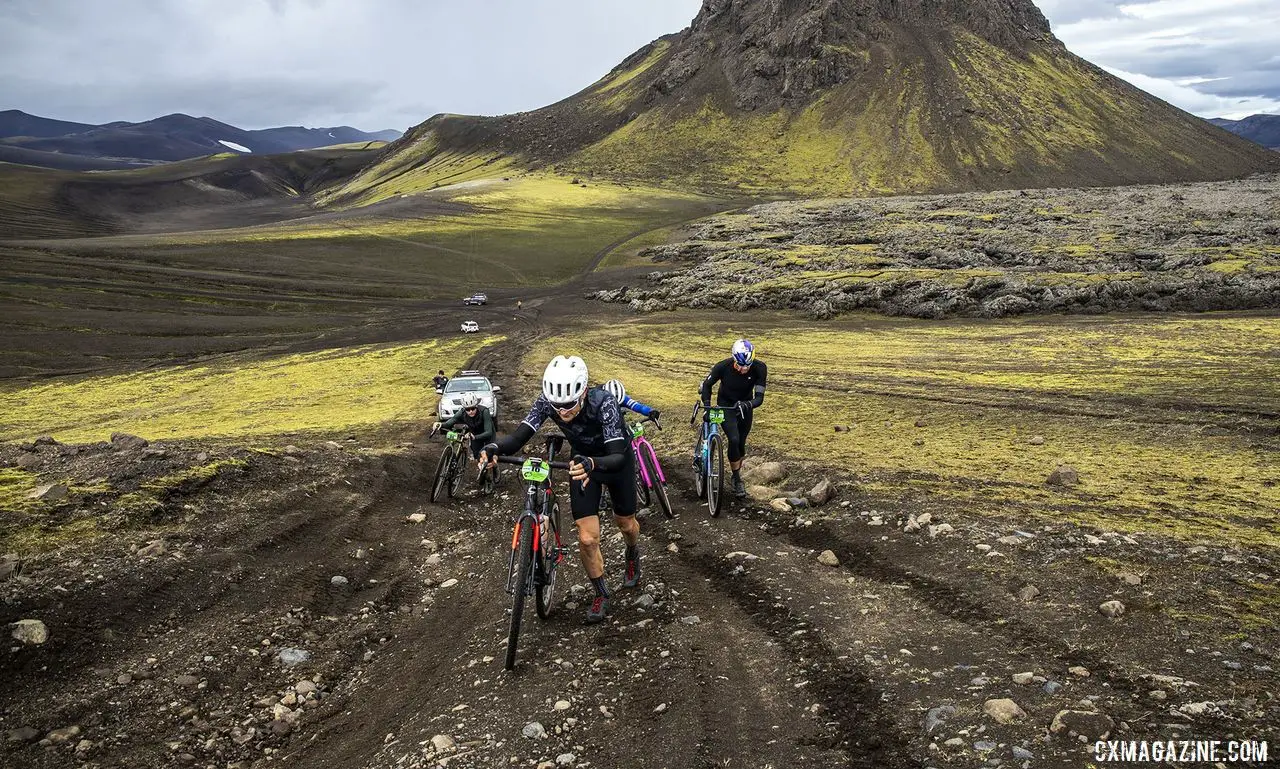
642,491
441,478
659,488
523,567
547,566
715,476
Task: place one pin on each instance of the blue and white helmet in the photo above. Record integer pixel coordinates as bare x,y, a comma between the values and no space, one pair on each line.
744,353
615,388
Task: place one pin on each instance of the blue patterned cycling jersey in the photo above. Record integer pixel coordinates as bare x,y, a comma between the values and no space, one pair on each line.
599,422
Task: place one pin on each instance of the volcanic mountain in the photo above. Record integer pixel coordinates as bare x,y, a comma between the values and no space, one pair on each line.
1263,129
837,97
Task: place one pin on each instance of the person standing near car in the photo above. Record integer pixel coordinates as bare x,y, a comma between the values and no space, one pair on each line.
742,381
440,381
590,419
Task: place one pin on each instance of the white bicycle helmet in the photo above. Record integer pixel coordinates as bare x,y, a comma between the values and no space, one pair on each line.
615,388
565,379
470,400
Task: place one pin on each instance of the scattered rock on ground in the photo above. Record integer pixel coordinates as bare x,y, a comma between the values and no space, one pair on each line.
534,731
127,442
50,492
936,717
828,558
31,632
1082,723
442,743
24,734
417,518
290,657
10,566
1064,475
64,735
1029,593
1003,710
1111,609
153,549
822,493
765,474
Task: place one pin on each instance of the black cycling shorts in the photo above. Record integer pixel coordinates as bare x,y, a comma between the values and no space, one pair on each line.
622,490
735,430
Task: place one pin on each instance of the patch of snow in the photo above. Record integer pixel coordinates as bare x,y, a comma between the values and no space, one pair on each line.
331,136
234,146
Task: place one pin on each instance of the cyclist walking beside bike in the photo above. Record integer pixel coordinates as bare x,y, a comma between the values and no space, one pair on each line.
619,393
742,382
476,418
590,419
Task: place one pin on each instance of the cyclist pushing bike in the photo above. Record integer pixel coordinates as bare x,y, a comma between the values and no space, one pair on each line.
742,383
591,421
478,421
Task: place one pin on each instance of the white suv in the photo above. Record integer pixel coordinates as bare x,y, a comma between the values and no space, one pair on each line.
470,327
468,382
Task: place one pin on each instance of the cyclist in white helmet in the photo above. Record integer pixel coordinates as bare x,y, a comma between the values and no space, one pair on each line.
590,419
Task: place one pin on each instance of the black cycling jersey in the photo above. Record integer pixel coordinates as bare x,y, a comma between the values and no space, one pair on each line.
481,425
440,381
596,431
736,387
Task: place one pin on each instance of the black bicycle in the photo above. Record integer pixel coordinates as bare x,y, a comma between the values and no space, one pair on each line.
536,549
449,468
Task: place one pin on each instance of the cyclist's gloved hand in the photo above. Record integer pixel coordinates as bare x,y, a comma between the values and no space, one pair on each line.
655,414
581,467
435,428
744,406
488,456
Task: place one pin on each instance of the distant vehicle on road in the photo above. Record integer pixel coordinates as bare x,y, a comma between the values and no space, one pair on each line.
468,382
470,327
476,299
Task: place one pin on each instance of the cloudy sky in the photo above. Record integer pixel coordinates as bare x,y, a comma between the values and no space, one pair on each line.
393,63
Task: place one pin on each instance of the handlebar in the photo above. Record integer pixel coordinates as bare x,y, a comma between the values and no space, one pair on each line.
652,419
522,460
699,407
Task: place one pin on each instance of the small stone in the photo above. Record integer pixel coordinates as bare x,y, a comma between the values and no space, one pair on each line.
290,657
1078,671
939,530
1004,711
187,681
1158,694
562,705
31,632
822,493
24,734
1130,579
338,580
936,717
1111,609
51,492
692,619
430,545
154,549
1051,687
442,743
661,708
1064,475
954,742
780,505
985,746
62,736
1082,723
1022,679
534,731
605,711
448,583
1037,440
1029,593
565,759
1012,539
84,746
28,461
124,679
417,518
673,548
1022,754
645,601
828,558
127,442
433,560
305,687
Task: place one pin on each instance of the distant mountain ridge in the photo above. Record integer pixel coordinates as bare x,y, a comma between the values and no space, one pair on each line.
43,141
835,97
1263,129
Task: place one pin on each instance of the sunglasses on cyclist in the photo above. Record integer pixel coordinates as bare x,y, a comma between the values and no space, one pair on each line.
570,411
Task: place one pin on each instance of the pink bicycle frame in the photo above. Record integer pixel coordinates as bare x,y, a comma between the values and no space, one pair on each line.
638,444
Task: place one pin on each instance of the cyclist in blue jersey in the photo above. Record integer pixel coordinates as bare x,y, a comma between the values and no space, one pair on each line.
614,387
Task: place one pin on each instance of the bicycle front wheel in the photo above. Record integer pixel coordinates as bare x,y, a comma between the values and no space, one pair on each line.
442,476
523,567
659,488
715,476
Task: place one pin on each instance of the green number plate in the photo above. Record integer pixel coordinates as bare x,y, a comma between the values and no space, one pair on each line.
637,429
716,416
454,435
535,470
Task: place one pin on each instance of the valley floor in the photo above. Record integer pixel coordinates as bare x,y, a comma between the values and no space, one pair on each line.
751,653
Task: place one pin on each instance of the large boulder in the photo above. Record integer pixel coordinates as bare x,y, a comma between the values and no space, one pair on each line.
762,493
51,492
765,474
127,442
1064,475
31,632
822,493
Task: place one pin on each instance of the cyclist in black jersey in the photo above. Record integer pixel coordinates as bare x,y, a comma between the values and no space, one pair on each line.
742,382
440,380
478,420
592,422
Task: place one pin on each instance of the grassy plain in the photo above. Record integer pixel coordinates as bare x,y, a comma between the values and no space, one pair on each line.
1171,422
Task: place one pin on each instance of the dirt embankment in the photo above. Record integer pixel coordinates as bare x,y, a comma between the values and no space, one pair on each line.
287,610
1194,247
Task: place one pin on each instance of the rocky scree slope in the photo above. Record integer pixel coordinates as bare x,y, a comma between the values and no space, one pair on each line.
835,96
1208,246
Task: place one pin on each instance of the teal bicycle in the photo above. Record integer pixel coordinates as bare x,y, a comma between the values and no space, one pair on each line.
708,457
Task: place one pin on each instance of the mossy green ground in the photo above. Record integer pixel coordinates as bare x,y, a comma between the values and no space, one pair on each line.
1136,405
323,392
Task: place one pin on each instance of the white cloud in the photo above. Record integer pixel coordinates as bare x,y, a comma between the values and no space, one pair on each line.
1215,58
